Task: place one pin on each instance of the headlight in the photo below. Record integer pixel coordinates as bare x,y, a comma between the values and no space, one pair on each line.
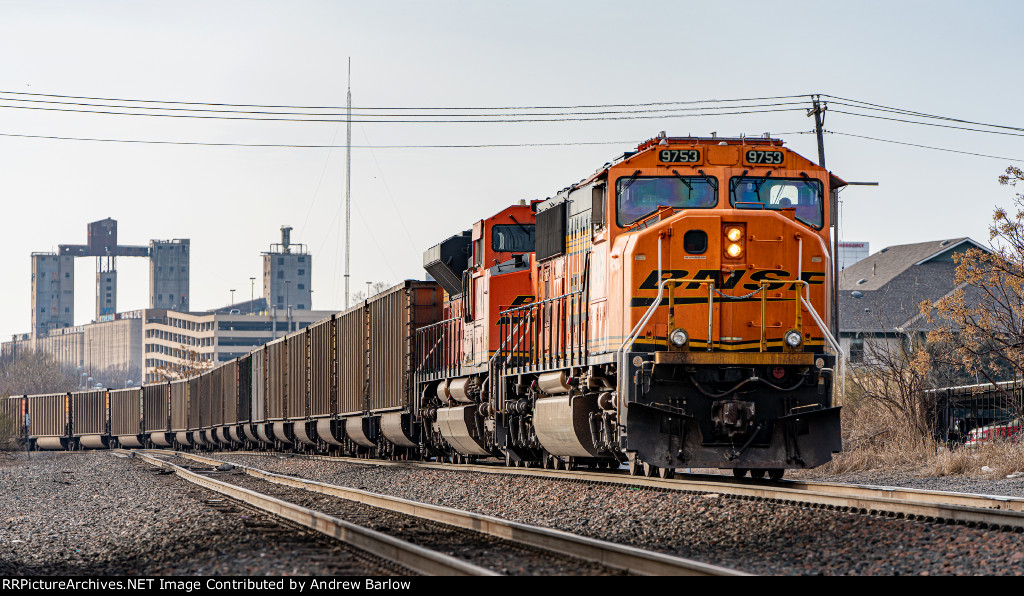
734,234
794,338
678,338
734,250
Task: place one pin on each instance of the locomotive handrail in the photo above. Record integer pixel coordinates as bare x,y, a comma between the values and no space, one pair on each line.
539,302
575,298
421,333
821,325
432,325
527,318
657,302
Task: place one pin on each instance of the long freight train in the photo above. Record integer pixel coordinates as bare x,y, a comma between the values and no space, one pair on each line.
670,311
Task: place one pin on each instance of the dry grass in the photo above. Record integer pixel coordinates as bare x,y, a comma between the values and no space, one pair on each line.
875,442
8,434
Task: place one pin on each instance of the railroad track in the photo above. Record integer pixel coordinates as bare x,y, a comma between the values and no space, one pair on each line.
377,544
617,557
992,511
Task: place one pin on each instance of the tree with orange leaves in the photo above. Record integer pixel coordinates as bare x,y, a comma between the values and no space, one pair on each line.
982,321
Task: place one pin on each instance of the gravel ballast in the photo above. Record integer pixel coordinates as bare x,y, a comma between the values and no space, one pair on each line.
499,555
756,537
93,513
96,514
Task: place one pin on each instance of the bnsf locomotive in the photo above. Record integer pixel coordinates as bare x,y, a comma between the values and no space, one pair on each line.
670,311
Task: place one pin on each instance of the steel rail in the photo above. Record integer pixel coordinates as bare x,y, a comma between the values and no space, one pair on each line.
947,507
634,560
410,556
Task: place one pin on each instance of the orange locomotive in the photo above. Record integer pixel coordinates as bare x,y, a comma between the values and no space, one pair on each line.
483,271
681,316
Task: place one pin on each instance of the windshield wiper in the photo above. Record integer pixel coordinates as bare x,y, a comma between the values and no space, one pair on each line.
521,226
709,179
759,183
629,182
733,183
683,180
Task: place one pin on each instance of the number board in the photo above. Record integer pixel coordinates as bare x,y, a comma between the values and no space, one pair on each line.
765,157
679,155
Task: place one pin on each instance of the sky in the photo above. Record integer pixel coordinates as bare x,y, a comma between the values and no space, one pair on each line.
414,184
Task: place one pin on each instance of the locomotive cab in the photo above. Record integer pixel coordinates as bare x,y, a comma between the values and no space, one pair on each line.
461,348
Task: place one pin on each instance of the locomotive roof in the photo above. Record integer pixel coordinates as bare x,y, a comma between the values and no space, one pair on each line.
763,141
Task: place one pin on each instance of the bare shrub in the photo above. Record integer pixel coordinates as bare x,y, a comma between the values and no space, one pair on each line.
33,373
875,440
1001,456
9,436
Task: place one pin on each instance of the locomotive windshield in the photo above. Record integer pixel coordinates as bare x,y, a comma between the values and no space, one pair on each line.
804,195
638,197
513,238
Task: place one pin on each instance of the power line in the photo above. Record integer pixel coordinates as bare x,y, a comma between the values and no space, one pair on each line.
582,117
867,105
847,134
332,146
592,106
991,132
563,112
297,146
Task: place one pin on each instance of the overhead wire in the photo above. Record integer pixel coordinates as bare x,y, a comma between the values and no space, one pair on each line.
259,115
591,106
868,105
964,128
847,134
490,114
426,119
299,146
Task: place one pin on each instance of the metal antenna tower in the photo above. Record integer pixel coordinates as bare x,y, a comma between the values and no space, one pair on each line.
348,183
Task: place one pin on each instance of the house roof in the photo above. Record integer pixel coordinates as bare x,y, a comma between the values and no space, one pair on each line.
896,303
888,263
894,282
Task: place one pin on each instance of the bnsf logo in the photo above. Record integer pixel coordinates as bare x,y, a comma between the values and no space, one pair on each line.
734,279
516,317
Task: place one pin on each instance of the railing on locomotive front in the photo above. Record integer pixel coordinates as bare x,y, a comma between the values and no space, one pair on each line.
549,334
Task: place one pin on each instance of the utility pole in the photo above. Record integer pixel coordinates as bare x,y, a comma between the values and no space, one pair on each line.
348,183
818,111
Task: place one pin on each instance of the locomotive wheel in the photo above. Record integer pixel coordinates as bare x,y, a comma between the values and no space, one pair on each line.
559,464
666,473
776,473
739,472
757,473
650,471
635,467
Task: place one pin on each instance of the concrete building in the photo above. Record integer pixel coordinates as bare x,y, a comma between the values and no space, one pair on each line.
120,347
53,276
215,337
108,351
169,274
288,275
850,252
65,345
53,292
